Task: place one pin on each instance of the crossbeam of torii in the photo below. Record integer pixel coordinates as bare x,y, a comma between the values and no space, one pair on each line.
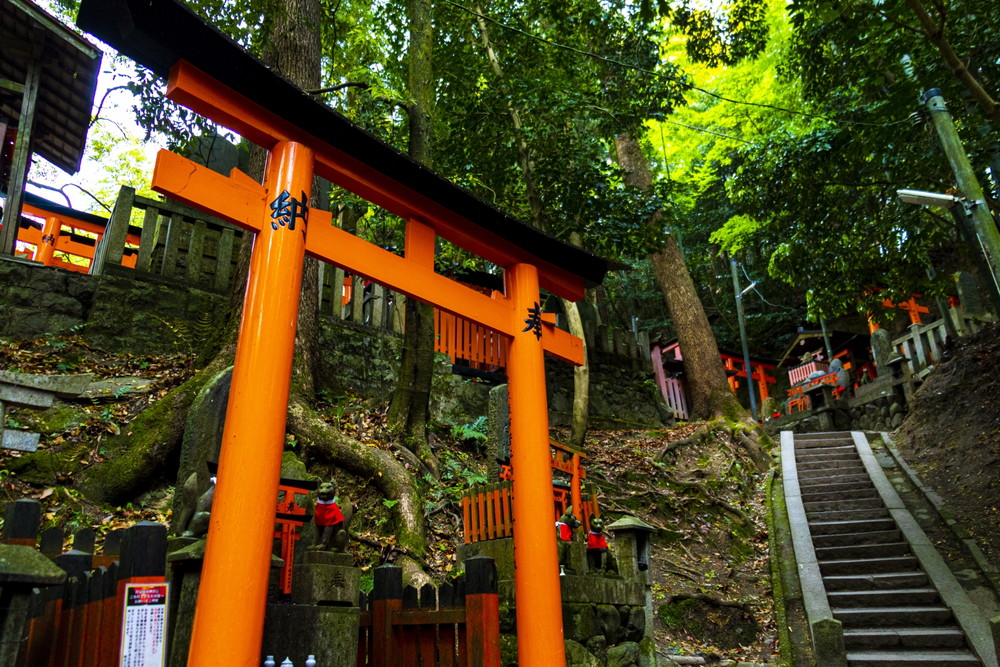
214,77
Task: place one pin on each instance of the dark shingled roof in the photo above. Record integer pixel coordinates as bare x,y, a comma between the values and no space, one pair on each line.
70,65
159,33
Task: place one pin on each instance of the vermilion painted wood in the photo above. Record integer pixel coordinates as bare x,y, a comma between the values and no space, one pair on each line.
482,614
229,619
75,223
200,188
539,605
189,86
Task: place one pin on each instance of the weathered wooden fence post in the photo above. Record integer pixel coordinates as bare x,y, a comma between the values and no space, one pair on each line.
482,612
21,569
112,244
387,598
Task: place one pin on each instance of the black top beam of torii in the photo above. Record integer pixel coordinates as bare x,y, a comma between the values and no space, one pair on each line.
160,33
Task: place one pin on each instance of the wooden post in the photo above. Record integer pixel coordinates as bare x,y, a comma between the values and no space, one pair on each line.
21,160
482,612
387,598
112,244
143,561
21,521
147,241
536,562
229,620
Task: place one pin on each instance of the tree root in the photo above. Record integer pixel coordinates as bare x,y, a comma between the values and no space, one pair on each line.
137,456
391,478
702,433
761,461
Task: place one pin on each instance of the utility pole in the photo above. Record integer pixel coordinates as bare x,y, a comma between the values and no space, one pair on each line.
743,336
982,220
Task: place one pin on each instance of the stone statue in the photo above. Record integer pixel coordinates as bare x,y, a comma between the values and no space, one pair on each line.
599,556
332,522
565,527
197,525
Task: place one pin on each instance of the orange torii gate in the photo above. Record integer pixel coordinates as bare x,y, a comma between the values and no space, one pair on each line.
216,78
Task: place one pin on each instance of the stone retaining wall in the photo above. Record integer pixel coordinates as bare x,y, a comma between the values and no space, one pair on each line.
130,313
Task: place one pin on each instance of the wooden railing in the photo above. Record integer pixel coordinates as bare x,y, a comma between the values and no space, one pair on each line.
450,626
175,242
800,373
672,389
488,512
459,338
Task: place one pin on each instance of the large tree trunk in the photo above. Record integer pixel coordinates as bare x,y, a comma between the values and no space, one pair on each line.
410,407
705,377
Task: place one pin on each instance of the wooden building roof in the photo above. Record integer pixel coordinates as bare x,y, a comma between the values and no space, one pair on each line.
70,65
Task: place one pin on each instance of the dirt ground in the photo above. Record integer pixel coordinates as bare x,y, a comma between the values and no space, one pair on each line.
952,435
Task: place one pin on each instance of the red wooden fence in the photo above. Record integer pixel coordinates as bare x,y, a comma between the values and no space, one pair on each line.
79,622
451,626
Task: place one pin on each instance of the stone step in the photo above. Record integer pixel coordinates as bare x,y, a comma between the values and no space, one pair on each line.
882,617
935,658
875,581
841,483
863,551
846,504
833,449
942,637
838,440
850,515
856,526
900,597
848,539
868,565
827,461
813,474
837,495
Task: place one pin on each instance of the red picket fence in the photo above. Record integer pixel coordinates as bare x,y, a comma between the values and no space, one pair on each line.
487,510
451,626
459,338
79,622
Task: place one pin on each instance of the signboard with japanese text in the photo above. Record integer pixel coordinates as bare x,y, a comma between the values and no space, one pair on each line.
144,628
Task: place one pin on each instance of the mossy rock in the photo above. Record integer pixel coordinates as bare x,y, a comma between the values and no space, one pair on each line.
48,466
60,417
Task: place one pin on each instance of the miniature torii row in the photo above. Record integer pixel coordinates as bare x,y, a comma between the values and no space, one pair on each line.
231,601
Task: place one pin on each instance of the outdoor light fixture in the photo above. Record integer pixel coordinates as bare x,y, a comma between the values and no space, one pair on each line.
927,198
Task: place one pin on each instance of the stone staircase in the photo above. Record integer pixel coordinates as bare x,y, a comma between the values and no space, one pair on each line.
890,611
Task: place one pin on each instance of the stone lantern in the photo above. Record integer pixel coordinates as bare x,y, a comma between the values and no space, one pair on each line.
632,551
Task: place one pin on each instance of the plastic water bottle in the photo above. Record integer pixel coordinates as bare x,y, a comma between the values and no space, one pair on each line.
311,661
269,662
287,663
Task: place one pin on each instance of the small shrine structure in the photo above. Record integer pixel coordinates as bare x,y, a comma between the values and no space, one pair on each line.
48,75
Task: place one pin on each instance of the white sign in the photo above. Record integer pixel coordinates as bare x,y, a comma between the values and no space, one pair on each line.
144,628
